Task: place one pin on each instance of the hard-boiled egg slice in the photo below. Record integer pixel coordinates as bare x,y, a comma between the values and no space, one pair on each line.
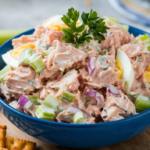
55,23
11,57
128,72
147,74
9,60
120,68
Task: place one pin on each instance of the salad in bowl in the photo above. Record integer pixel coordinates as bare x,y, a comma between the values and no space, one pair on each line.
78,71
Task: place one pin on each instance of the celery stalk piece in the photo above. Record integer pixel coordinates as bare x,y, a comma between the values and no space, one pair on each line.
45,52
37,64
34,99
146,39
51,101
78,117
67,97
29,57
4,72
25,55
133,94
125,27
142,103
45,112
111,20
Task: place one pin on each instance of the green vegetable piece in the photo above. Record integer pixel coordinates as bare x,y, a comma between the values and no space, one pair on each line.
30,58
37,64
81,34
141,97
142,103
146,39
67,97
4,72
125,27
45,52
111,20
78,118
34,99
133,94
25,55
51,101
45,112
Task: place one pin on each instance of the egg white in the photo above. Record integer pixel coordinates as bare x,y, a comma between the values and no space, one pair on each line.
54,20
9,60
128,75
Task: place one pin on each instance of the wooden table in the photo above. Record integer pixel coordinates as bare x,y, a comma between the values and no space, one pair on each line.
140,142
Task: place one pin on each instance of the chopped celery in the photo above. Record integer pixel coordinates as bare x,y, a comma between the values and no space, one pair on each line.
142,103
133,94
67,97
47,109
51,101
29,57
125,27
34,99
146,39
78,117
45,52
111,20
45,112
4,72
25,55
37,64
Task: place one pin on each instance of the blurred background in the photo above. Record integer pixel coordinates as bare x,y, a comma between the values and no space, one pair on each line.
26,14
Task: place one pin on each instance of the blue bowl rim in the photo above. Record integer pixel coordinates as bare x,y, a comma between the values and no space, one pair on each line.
45,122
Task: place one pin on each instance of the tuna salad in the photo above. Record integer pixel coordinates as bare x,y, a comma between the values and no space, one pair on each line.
78,71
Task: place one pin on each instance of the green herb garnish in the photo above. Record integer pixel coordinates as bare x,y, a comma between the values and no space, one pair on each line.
92,27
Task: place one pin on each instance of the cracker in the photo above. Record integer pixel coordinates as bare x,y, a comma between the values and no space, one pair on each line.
2,135
19,144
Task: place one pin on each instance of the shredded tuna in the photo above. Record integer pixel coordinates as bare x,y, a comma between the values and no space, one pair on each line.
116,36
23,40
115,106
64,57
18,81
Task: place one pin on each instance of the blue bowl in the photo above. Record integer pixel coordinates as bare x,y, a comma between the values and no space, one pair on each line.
72,135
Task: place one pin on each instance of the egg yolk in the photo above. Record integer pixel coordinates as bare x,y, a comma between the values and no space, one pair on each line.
120,68
147,74
17,52
55,27
58,27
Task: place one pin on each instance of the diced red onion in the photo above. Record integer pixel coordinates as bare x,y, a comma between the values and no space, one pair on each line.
113,90
73,109
24,102
91,65
99,97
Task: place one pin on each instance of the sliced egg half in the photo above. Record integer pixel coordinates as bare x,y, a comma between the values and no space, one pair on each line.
55,23
125,67
147,74
12,57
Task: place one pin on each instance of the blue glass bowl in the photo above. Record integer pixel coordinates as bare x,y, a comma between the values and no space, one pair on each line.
72,135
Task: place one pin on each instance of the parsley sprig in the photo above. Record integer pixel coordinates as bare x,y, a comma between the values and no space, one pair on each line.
92,27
